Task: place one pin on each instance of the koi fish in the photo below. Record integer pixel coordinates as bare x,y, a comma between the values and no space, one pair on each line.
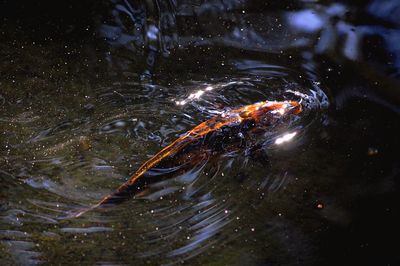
228,124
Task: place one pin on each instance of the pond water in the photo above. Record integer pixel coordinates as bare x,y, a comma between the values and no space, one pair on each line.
90,91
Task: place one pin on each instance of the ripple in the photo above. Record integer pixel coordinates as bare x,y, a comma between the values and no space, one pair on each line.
13,234
180,217
79,156
23,252
87,230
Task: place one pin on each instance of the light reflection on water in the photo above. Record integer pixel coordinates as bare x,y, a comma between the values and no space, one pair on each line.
78,160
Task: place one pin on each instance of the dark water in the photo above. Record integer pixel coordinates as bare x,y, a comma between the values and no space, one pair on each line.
91,90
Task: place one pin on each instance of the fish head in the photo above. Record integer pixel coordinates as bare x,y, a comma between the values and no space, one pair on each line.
265,111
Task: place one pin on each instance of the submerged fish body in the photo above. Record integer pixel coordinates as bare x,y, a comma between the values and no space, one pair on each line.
226,129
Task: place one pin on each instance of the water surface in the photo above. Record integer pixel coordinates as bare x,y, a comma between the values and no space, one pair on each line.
83,107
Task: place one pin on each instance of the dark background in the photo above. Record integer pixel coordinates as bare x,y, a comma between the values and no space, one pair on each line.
67,19
37,20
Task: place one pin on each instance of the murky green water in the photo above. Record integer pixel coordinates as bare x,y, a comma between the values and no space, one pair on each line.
77,118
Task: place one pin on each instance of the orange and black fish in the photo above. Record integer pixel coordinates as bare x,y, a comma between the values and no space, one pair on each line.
225,129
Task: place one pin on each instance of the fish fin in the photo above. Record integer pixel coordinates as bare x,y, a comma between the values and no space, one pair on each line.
258,154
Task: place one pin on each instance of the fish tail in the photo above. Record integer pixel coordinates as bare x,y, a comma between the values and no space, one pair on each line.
121,194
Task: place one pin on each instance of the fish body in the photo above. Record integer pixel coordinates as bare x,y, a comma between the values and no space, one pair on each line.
229,126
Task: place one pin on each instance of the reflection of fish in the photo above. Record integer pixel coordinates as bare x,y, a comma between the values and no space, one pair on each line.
232,124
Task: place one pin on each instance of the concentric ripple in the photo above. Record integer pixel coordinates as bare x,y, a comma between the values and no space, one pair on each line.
78,158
